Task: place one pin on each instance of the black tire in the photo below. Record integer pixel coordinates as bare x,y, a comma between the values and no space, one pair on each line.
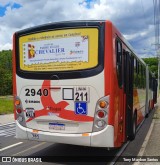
134,126
149,110
147,115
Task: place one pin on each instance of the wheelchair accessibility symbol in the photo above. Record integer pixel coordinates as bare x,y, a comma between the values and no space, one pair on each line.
81,108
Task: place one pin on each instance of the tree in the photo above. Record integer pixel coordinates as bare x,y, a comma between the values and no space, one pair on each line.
152,64
6,72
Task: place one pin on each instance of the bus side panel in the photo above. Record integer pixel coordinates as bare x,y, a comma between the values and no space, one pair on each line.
108,71
14,72
148,93
117,99
111,85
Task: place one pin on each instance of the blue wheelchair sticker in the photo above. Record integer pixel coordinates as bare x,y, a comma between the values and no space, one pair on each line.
80,108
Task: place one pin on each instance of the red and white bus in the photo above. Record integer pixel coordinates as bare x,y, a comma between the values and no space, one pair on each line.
78,82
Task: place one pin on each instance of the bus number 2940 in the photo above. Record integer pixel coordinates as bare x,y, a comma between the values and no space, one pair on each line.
33,92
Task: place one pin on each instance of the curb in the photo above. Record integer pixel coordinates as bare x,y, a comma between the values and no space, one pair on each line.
144,145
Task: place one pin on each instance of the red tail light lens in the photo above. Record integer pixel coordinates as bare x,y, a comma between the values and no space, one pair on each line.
19,110
101,114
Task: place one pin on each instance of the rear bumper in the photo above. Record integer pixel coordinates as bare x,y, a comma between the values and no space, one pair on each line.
104,138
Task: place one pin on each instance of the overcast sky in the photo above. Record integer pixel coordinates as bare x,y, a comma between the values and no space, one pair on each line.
133,18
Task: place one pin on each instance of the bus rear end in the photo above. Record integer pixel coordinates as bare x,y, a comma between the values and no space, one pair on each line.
59,84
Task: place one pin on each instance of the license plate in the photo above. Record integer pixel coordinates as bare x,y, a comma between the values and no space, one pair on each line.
30,113
81,94
56,126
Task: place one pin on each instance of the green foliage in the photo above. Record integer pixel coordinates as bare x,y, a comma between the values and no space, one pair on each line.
153,65
5,72
6,105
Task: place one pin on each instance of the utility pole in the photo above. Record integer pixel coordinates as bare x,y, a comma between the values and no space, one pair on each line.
156,5
158,54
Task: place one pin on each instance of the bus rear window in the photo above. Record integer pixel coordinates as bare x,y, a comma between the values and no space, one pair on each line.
59,50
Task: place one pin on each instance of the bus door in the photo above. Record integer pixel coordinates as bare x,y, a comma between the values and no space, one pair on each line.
130,122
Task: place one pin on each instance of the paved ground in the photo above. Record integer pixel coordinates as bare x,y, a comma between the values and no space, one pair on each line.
9,118
153,146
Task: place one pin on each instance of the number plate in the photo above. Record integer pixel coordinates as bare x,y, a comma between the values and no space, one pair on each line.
56,126
30,113
81,94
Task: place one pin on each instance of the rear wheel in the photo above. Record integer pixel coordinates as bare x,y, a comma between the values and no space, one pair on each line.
134,126
146,116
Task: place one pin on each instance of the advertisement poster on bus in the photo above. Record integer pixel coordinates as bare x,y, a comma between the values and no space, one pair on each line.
59,50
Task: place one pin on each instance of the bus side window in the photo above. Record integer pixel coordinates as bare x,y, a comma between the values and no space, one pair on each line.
144,73
141,77
138,75
137,67
150,81
119,61
135,73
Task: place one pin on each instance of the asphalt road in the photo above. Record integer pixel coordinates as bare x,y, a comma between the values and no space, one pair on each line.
53,153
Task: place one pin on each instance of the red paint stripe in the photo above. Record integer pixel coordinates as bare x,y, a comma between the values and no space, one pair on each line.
108,69
63,113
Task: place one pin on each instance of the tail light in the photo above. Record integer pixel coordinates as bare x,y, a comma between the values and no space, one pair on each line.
100,123
19,111
101,114
17,102
103,104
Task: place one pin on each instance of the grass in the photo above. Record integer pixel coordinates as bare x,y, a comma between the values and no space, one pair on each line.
6,105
